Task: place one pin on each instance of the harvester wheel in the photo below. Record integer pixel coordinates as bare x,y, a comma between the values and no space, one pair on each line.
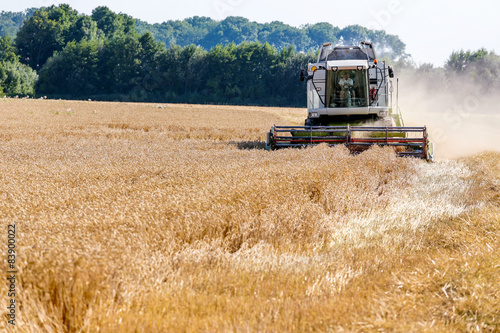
311,122
269,140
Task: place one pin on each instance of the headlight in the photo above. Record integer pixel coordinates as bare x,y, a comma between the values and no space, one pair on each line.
313,114
383,113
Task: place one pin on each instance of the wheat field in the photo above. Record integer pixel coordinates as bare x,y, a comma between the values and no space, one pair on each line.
172,218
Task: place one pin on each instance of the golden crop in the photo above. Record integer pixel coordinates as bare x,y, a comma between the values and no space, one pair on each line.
172,218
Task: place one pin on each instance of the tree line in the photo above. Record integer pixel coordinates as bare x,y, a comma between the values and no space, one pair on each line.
208,33
60,53
102,56
132,68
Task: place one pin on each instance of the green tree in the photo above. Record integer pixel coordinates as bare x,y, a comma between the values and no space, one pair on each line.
230,30
460,61
220,78
168,64
15,78
112,24
150,54
84,28
389,46
191,68
481,67
320,33
120,64
72,71
279,35
43,33
255,62
353,34
7,50
10,22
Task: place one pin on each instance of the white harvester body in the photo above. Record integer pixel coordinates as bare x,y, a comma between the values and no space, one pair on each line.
350,102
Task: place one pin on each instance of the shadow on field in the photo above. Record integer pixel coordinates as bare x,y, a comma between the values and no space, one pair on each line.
249,144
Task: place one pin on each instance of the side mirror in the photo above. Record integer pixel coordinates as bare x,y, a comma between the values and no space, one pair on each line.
391,71
302,75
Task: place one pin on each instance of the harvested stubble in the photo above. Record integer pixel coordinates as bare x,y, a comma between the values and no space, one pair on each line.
144,217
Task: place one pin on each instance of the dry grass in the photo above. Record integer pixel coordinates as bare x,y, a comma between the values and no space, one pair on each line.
150,218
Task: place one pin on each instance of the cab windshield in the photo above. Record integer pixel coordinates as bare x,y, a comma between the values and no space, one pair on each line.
346,88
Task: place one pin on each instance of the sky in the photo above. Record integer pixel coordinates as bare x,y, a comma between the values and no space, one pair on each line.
431,29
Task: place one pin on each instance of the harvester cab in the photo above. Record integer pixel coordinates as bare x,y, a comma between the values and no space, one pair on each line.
348,82
350,101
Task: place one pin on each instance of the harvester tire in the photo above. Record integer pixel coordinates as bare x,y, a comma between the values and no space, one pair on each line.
311,122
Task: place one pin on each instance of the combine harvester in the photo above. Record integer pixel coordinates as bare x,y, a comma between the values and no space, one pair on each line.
350,102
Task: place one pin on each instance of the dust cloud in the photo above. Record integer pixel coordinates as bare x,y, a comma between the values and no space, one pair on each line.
462,119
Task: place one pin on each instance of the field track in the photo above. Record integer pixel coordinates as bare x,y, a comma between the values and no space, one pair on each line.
172,218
